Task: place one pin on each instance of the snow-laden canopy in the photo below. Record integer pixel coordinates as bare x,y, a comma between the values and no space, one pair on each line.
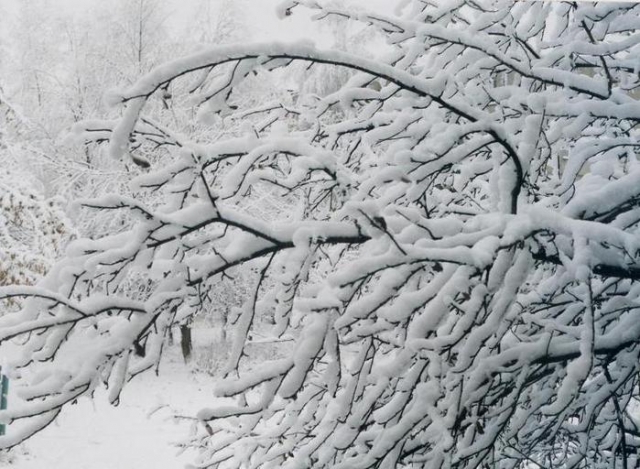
453,246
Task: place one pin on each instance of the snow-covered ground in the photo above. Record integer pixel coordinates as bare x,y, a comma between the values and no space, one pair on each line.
138,434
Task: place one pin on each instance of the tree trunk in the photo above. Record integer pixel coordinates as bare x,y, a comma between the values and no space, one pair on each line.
185,342
225,320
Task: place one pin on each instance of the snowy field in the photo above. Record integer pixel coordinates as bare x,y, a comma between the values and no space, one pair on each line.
141,433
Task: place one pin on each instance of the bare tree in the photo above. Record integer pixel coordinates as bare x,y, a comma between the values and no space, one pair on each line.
138,27
457,261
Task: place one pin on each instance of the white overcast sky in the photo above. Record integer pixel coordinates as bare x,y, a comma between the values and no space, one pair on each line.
261,15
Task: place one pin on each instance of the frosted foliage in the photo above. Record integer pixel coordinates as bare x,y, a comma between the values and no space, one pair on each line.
449,241
33,230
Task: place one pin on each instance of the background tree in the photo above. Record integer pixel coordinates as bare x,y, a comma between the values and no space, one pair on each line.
457,259
341,32
33,229
139,28
219,22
